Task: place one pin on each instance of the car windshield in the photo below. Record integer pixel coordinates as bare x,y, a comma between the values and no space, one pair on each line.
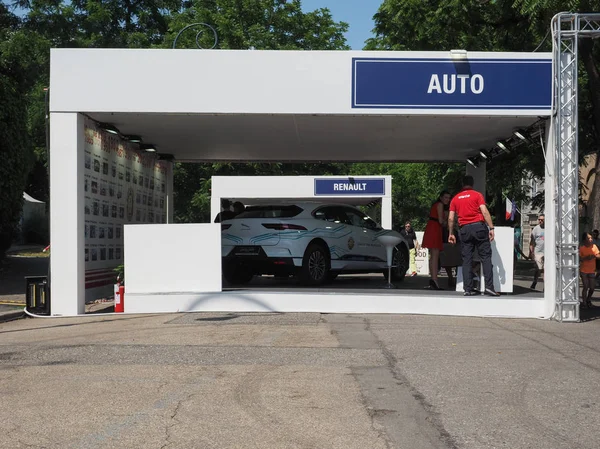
270,212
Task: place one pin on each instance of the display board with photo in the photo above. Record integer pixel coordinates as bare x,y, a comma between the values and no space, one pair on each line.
122,185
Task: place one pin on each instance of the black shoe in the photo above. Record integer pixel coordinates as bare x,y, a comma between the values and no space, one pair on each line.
534,283
433,285
471,293
490,292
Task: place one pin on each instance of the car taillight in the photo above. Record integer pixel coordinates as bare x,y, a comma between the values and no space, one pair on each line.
284,226
225,226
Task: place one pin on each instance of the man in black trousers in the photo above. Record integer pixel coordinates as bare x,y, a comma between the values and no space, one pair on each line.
476,230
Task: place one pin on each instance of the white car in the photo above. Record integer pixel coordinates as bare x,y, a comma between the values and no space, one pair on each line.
314,241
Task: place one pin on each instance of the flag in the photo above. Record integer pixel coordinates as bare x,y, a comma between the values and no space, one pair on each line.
513,211
509,210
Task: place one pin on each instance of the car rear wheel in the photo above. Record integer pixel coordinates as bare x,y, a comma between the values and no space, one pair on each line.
315,265
237,274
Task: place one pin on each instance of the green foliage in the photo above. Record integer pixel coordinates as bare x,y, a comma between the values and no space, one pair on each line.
244,24
439,25
498,25
261,24
15,149
415,187
193,190
119,271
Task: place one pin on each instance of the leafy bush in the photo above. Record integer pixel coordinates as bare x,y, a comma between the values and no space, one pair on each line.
14,149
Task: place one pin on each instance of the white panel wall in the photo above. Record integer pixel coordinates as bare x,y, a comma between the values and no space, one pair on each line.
224,81
172,258
502,262
67,266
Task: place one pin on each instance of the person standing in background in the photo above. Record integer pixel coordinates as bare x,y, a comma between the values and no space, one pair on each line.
413,246
536,250
432,238
238,208
588,256
596,239
226,213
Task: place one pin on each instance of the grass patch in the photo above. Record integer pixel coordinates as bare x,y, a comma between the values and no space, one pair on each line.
29,253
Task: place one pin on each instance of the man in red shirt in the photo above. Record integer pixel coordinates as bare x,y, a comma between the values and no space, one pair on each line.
476,230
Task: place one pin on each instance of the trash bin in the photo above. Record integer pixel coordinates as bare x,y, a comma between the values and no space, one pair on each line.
37,295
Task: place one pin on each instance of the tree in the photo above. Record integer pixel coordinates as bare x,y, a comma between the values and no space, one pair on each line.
540,13
245,24
193,187
259,24
15,148
493,25
415,187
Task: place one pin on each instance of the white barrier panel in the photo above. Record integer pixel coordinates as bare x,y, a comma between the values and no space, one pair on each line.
411,302
422,258
172,258
502,262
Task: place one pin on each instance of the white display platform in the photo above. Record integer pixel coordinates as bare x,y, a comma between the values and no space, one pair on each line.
405,302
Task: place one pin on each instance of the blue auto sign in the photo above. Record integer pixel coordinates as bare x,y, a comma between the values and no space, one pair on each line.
410,83
350,186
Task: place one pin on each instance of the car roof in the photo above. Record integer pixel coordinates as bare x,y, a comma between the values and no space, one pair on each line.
306,205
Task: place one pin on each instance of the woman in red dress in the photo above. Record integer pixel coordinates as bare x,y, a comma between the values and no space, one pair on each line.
432,238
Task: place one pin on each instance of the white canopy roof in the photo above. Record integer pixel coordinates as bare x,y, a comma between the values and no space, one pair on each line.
206,105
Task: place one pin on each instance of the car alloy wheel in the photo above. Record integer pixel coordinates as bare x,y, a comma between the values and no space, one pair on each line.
317,265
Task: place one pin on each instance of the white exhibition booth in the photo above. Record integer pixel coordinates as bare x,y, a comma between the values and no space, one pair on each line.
261,106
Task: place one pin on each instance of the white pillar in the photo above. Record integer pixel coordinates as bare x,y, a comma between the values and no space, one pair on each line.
67,265
479,176
386,212
386,205
550,271
170,194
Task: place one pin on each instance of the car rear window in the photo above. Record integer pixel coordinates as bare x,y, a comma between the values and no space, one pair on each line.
270,212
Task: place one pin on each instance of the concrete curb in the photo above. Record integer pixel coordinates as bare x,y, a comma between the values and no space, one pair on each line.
12,315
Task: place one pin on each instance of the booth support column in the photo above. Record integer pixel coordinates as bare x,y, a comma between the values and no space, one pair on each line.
386,206
67,266
170,193
551,273
479,175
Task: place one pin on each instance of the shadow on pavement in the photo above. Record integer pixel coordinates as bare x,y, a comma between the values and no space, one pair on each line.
590,314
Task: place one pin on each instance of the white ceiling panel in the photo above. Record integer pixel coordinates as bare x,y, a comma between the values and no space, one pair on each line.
304,138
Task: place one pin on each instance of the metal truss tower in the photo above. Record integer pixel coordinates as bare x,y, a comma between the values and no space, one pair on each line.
567,30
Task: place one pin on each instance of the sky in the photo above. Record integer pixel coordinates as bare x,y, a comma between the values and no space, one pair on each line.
357,13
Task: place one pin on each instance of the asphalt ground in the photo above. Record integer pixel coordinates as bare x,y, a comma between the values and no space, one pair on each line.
201,380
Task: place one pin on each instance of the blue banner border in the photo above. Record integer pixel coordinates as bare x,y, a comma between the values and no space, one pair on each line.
466,107
374,195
